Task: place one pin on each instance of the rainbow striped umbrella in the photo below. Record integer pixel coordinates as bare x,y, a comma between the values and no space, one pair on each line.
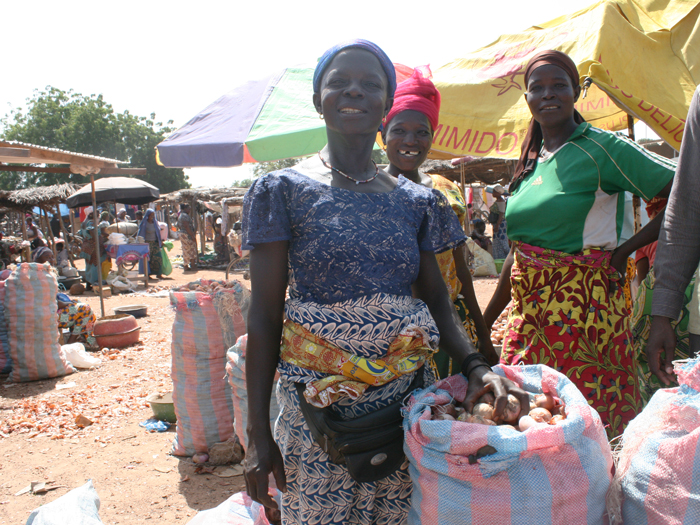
261,120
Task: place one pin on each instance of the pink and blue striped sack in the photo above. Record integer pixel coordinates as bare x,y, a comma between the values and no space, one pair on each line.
235,371
558,474
201,395
5,361
31,315
658,465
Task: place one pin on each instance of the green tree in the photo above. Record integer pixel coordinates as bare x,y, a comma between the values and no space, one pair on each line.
243,183
87,124
261,168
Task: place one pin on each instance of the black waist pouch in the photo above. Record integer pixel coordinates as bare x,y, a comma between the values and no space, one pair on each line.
370,446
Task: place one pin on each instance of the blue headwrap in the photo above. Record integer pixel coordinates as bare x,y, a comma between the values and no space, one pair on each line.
373,48
142,226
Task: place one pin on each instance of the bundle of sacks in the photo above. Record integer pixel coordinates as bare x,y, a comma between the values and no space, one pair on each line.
658,468
468,470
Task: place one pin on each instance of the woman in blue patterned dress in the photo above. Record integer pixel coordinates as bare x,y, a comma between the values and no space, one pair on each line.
352,245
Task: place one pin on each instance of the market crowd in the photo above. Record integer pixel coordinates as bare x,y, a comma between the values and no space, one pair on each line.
363,275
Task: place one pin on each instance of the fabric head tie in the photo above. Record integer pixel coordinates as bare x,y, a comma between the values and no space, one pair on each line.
373,48
417,93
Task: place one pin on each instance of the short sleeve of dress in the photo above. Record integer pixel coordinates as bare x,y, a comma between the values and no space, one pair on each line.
265,216
440,229
632,168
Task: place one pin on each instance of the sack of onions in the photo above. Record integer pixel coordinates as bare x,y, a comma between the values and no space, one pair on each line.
553,465
658,465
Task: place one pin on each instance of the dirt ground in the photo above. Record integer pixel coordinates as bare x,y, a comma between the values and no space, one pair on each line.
137,479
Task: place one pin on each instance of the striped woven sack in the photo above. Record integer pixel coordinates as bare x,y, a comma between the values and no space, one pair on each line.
235,371
32,324
658,465
5,361
201,395
558,474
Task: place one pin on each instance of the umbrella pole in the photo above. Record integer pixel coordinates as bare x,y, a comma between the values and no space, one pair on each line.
96,234
115,216
65,235
636,201
26,252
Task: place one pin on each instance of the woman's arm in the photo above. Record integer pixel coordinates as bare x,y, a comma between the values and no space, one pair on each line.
482,331
431,289
501,297
268,278
643,237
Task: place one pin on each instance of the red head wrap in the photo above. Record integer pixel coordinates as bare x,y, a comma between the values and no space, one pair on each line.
417,93
532,144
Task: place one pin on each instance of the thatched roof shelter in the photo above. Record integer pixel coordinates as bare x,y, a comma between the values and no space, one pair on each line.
42,196
486,170
203,194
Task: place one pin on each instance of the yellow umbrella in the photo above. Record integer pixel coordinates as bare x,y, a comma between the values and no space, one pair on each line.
643,58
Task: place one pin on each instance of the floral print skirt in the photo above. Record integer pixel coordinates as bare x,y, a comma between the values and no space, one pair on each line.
569,313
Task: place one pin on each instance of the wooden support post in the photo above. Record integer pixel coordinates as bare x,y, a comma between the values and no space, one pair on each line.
467,225
202,237
52,244
96,234
65,235
26,252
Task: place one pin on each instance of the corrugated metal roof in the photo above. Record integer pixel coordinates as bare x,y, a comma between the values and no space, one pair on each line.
81,156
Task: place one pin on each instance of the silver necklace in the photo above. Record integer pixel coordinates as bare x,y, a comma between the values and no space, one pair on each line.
376,172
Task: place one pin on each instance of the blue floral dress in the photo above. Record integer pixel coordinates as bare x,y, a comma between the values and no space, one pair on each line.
352,260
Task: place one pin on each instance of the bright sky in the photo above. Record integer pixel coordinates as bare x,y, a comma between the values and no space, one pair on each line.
174,58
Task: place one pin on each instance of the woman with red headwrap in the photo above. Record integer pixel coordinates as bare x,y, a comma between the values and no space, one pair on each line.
567,264
408,135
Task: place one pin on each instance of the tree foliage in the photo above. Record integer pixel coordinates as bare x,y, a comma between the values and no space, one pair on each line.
87,124
261,168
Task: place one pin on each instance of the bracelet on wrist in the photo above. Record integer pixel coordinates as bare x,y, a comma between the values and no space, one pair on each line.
473,361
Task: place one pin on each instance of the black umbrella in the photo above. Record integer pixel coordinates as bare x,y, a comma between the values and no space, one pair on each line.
115,189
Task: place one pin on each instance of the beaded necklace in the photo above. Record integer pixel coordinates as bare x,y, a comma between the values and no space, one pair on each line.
376,172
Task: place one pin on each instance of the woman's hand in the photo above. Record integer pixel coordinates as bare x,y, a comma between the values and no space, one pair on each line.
482,381
619,262
262,458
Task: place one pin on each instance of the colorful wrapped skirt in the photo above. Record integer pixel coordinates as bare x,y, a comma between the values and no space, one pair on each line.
569,313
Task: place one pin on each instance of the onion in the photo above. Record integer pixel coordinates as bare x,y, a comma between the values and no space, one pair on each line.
484,410
556,419
507,426
526,423
541,415
463,416
545,401
479,420
444,417
487,398
200,458
512,410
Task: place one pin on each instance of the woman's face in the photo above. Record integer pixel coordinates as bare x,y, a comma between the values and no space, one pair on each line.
46,258
151,217
551,96
408,139
353,96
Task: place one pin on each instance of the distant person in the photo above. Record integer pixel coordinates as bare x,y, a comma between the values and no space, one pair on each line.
149,230
188,239
55,224
501,247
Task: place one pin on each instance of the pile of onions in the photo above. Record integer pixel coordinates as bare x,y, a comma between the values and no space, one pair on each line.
498,331
210,288
545,409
